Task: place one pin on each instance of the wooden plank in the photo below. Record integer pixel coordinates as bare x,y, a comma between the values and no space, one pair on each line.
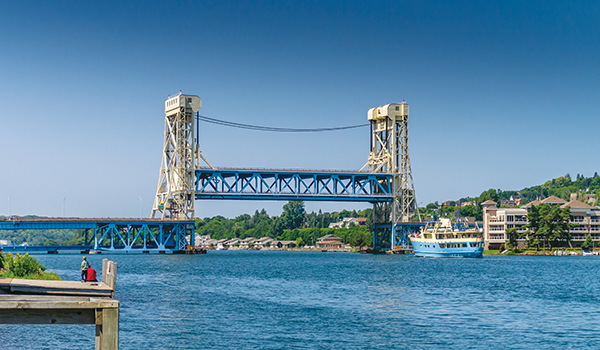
59,292
104,269
48,316
47,297
109,339
111,276
92,303
60,288
74,285
98,319
5,284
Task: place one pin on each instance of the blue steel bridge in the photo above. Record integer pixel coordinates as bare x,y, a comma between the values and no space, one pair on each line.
166,236
282,184
385,181
108,234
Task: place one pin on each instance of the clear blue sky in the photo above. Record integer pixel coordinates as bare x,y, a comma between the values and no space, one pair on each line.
502,94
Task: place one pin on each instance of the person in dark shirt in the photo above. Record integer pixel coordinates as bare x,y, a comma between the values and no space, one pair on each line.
91,275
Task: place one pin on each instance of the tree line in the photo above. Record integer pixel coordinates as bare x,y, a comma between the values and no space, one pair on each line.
294,224
547,226
561,187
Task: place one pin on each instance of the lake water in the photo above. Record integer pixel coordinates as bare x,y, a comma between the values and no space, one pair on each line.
314,300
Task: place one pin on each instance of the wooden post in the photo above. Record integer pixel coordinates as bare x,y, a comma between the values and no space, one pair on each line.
104,268
107,329
109,274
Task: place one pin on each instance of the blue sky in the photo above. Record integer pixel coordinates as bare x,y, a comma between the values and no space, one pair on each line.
502,94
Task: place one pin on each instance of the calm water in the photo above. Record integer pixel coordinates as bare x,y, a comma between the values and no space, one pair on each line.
301,300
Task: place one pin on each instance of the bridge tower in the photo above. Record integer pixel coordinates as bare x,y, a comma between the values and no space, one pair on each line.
389,154
175,194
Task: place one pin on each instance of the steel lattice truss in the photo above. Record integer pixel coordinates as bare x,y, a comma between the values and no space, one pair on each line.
145,235
159,237
384,235
291,185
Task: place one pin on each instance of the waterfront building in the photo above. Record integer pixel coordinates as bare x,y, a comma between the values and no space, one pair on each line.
244,243
264,242
210,243
585,221
232,242
283,244
497,220
329,241
347,221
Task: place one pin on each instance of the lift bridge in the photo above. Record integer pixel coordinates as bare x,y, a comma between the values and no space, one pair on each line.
385,181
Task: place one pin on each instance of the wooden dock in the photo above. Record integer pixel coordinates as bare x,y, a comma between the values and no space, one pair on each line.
65,302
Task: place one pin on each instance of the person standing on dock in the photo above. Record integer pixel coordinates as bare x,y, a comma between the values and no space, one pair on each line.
84,269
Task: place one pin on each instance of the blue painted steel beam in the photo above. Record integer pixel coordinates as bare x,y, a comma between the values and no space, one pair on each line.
390,237
42,248
127,235
38,224
264,184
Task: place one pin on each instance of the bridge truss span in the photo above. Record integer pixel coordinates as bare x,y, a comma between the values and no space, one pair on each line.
269,184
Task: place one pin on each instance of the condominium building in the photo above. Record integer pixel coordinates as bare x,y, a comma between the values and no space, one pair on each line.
585,221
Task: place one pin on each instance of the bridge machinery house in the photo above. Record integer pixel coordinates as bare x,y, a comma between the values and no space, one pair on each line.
585,221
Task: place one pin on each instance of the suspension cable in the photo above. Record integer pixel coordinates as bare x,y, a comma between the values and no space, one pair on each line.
274,129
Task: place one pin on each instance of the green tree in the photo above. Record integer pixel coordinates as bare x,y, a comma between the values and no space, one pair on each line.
468,210
512,235
533,218
293,214
588,244
299,242
360,238
277,229
489,194
25,266
548,224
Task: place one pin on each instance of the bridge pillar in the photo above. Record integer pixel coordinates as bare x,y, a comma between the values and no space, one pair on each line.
175,194
389,154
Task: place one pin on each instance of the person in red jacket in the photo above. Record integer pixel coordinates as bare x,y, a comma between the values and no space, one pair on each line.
91,275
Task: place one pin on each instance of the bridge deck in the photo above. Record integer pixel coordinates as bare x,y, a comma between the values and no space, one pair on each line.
287,184
113,234
77,223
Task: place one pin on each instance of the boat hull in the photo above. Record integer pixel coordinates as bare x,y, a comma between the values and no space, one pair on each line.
433,250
